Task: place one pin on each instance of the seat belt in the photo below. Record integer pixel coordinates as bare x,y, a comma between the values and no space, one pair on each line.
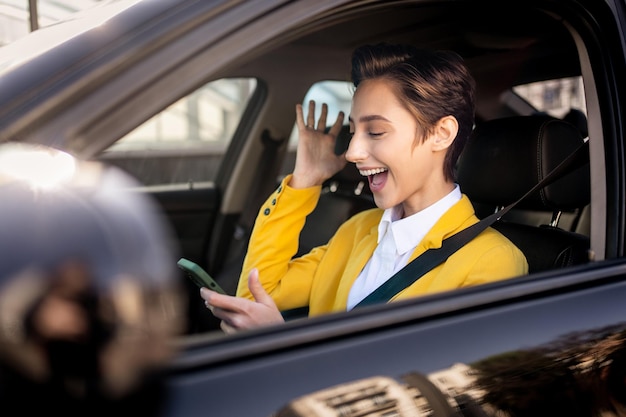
415,269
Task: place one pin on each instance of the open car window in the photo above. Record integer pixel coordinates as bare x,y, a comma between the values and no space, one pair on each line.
201,123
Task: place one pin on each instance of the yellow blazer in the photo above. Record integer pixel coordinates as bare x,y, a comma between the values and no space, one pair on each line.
322,278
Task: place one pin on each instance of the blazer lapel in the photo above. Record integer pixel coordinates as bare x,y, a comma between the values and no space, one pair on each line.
361,253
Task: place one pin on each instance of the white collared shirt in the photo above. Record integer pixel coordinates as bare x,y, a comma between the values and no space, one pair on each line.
407,234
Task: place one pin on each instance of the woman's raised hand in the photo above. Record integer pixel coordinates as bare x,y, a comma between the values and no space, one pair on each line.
316,160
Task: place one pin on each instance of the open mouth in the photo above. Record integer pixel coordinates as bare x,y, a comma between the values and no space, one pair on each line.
377,177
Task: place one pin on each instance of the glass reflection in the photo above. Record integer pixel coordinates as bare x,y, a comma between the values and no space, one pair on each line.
581,374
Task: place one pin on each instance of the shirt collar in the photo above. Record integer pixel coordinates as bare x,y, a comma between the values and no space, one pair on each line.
410,231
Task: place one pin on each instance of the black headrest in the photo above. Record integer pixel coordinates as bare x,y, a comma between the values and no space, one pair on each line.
579,120
506,157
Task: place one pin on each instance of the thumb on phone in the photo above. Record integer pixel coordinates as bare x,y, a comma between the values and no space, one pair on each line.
257,290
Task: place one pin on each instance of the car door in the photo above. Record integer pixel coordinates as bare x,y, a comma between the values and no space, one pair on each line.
256,373
178,155
97,86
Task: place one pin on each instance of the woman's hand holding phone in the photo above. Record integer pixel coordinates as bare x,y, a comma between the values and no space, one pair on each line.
239,313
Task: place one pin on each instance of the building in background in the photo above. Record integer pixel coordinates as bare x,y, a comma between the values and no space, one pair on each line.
19,17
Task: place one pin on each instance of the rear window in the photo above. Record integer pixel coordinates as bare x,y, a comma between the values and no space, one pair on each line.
555,97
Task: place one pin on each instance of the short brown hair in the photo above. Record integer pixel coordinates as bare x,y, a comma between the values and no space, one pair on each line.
432,85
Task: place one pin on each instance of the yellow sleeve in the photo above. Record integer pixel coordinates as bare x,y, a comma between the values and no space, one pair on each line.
274,242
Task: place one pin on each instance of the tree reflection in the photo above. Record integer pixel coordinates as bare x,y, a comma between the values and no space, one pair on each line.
581,374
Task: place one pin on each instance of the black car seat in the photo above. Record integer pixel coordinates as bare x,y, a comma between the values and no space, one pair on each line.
577,118
343,195
504,159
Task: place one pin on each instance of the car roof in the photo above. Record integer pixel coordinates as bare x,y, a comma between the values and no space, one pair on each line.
504,45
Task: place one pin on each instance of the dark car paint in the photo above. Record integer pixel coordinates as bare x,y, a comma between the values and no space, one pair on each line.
256,373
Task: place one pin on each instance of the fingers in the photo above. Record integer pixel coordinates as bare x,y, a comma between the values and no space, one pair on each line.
299,117
321,123
336,127
241,313
214,300
227,328
310,119
224,307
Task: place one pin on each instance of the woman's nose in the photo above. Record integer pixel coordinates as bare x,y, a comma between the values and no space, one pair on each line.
356,152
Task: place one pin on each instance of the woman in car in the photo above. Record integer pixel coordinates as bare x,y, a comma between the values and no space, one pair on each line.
412,113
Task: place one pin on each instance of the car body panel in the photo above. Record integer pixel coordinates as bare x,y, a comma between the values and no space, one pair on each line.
423,337
87,93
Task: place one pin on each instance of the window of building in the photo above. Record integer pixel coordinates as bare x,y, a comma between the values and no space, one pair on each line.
186,142
19,17
555,97
205,120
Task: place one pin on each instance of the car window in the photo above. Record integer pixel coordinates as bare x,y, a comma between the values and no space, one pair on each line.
338,96
197,128
555,97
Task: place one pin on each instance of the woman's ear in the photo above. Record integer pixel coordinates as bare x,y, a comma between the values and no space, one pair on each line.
446,130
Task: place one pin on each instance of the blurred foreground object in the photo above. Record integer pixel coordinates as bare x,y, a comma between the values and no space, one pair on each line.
89,296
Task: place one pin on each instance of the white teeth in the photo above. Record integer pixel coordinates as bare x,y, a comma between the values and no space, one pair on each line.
368,172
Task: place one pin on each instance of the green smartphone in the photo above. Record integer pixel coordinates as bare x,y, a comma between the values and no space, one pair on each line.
199,275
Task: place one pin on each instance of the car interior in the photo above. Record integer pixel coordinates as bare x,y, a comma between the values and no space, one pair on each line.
516,142
523,150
